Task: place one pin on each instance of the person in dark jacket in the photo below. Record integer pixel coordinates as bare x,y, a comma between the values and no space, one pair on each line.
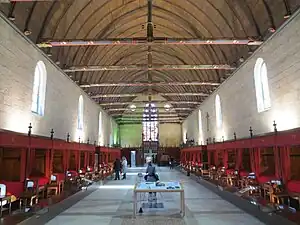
151,177
117,168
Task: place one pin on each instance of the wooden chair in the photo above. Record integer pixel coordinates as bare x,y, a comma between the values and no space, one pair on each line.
4,200
30,193
55,185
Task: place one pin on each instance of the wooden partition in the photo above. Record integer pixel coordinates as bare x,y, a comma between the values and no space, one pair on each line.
10,164
38,156
194,154
274,154
295,163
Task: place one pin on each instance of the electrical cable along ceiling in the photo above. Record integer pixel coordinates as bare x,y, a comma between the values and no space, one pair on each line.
117,50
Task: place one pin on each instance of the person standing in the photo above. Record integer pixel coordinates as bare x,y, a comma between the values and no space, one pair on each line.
124,167
171,163
117,168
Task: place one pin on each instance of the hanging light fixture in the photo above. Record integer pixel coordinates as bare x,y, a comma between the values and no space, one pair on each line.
132,108
167,107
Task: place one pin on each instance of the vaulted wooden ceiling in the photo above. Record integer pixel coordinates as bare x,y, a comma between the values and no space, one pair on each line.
182,19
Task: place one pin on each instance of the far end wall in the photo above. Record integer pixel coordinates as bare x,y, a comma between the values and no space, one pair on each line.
169,135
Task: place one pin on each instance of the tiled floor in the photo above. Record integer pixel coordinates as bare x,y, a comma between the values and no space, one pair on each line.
114,206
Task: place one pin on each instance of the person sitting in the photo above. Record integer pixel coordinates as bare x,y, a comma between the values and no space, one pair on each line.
151,176
117,168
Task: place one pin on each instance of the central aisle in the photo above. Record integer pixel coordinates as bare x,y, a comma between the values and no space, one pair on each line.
115,207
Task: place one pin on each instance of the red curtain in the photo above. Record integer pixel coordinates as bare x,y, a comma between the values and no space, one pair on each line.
286,163
216,157
48,165
23,165
209,157
277,160
255,160
194,157
239,159
199,157
32,160
225,158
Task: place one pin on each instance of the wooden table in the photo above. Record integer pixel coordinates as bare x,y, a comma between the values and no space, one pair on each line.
146,187
6,198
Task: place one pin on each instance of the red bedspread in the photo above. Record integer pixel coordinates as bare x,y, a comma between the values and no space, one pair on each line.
13,188
265,179
293,186
60,176
42,181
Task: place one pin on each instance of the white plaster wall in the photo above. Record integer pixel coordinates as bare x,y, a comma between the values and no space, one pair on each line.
238,99
169,134
18,58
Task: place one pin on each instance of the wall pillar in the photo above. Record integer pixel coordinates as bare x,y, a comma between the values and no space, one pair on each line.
23,165
47,164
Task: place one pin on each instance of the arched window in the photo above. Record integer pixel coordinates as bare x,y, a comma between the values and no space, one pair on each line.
150,123
219,119
39,89
80,114
200,138
100,129
262,86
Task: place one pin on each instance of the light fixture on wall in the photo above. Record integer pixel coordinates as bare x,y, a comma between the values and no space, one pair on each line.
242,59
68,137
27,32
272,30
11,18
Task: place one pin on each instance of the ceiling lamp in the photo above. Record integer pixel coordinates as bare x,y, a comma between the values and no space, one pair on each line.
167,107
132,108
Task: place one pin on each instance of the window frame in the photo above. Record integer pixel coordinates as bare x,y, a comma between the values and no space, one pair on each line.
38,97
200,127
262,90
80,114
150,129
219,115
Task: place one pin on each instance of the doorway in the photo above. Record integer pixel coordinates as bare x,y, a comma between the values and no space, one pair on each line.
132,158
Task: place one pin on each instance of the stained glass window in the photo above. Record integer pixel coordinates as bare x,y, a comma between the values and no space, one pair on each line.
150,123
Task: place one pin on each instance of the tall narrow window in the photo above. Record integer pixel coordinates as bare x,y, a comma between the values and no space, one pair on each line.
80,117
219,119
200,138
150,123
262,86
100,129
39,89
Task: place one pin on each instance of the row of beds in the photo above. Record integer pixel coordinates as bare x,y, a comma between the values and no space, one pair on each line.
268,189
29,193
